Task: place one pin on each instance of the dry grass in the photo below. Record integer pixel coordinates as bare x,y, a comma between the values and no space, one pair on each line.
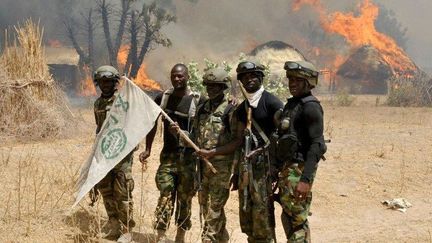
410,91
32,106
37,183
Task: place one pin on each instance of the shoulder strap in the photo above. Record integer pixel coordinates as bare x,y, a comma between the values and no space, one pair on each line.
309,98
165,97
261,132
195,101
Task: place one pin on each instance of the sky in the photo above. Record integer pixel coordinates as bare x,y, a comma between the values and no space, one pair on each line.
222,29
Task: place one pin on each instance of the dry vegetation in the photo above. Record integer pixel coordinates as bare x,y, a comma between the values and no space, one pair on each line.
377,153
32,105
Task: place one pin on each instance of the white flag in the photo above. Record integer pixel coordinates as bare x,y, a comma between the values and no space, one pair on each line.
131,117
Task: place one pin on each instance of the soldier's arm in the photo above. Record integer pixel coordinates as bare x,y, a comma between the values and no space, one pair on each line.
314,119
150,136
235,143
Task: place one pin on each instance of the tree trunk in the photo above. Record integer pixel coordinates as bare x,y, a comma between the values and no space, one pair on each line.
122,24
133,51
90,32
107,33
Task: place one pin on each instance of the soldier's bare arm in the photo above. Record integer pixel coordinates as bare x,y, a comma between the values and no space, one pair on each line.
149,142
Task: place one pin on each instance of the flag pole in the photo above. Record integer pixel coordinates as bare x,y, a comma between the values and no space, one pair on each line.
189,141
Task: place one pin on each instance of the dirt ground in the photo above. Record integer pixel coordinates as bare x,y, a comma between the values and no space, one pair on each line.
377,153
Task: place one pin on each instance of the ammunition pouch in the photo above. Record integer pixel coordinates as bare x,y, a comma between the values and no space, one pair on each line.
286,147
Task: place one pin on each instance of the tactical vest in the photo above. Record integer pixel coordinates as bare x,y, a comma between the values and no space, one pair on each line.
212,129
192,107
288,145
101,107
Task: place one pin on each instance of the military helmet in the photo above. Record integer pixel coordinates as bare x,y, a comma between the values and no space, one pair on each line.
249,67
216,76
105,73
302,69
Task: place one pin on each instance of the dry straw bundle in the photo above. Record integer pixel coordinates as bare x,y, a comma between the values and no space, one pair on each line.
31,103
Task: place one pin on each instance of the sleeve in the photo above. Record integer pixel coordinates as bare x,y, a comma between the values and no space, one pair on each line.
275,104
158,98
95,105
240,113
313,115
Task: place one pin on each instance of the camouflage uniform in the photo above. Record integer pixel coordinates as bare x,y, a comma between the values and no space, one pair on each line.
211,131
256,210
300,146
175,177
294,216
255,175
175,181
116,187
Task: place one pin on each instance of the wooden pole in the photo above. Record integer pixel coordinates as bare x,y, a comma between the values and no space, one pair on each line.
189,141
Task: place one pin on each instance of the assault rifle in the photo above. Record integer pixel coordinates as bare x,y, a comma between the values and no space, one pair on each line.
248,174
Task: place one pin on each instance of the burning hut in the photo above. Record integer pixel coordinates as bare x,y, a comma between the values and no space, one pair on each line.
365,71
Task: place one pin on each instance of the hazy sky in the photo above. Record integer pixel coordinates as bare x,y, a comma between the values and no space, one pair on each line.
221,29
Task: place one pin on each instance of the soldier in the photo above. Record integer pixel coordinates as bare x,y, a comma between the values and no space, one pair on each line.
256,172
300,146
216,133
176,172
116,187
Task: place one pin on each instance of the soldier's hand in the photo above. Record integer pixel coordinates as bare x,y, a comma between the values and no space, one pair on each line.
174,128
301,191
144,155
234,182
204,153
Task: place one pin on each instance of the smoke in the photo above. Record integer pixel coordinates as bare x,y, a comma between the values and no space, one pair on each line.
220,30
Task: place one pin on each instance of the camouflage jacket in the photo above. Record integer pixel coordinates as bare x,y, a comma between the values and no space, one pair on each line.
101,107
214,127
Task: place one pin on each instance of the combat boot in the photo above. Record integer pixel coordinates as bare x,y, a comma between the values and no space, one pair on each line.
161,237
111,229
180,236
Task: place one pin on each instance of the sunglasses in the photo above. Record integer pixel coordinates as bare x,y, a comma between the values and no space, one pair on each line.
105,75
295,66
249,66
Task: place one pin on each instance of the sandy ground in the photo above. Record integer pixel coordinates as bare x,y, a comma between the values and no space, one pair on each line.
377,153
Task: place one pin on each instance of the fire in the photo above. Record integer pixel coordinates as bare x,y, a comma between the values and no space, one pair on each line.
86,86
360,30
142,78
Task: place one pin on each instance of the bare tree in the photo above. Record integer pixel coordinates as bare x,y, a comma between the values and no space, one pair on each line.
85,58
106,10
141,28
146,29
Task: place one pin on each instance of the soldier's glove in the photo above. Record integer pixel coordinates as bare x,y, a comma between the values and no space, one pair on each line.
94,196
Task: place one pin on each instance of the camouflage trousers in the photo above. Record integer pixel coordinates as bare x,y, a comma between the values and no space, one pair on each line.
116,190
256,207
294,215
213,195
175,180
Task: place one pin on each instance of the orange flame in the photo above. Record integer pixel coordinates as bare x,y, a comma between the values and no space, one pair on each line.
86,86
142,78
360,30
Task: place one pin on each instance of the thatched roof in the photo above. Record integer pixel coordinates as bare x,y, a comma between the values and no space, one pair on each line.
275,54
61,55
365,71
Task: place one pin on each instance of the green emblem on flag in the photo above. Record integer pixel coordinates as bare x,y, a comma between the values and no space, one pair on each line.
113,143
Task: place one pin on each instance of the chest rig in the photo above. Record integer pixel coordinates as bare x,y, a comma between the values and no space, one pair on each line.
212,127
101,108
287,140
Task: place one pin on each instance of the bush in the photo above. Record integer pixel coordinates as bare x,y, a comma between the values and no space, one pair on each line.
410,91
344,99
